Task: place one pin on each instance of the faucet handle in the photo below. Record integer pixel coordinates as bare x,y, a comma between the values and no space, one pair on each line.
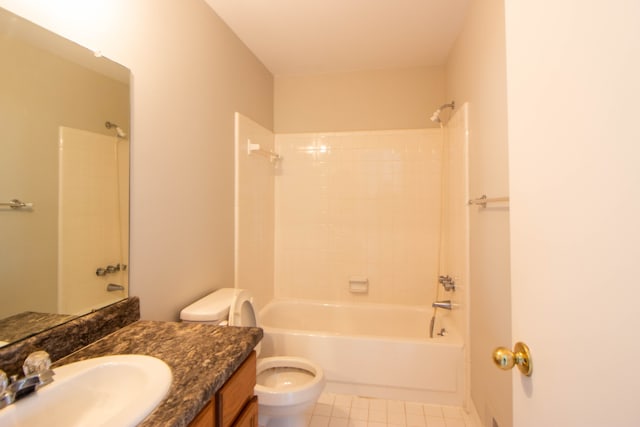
4,381
113,268
38,361
6,396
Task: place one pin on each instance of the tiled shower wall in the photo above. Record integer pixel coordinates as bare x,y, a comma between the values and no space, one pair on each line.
358,205
254,211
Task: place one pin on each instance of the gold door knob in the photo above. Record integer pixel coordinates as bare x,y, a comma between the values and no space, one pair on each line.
507,359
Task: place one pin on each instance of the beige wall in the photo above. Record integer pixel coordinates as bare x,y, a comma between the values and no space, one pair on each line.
190,73
363,100
476,73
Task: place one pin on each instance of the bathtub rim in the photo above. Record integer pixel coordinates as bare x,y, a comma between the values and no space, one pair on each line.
453,337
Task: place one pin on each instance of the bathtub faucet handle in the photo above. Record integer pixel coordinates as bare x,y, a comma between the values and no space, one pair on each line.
447,282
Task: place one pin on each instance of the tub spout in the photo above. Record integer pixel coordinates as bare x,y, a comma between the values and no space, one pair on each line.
442,304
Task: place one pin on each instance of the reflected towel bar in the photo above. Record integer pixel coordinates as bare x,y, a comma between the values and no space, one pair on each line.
483,200
16,204
255,148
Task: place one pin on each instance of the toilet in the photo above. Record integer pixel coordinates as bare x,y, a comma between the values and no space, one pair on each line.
286,386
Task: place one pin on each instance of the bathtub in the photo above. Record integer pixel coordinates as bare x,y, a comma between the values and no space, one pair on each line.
373,350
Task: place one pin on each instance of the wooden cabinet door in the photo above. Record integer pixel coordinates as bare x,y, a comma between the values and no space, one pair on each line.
236,392
248,417
234,401
205,418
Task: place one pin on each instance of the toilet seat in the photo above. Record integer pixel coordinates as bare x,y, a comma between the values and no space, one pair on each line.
242,312
290,395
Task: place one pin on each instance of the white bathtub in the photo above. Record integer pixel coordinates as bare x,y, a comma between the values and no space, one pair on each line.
371,350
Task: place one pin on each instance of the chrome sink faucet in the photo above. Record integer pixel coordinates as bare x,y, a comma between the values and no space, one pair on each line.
38,373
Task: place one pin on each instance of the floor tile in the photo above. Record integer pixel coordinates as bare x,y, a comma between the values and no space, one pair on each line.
378,405
416,420
452,412
343,400
338,422
455,422
414,408
396,417
326,398
360,402
378,416
435,422
432,410
340,410
359,413
322,409
319,421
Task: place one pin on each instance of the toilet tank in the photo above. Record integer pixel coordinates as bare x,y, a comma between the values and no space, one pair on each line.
213,308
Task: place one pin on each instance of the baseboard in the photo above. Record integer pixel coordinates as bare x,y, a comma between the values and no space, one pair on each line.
474,417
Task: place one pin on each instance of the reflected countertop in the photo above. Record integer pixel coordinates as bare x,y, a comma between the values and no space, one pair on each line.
27,323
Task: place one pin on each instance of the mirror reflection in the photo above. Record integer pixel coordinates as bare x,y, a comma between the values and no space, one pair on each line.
64,179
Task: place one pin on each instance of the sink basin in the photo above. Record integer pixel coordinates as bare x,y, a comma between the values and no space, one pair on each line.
106,391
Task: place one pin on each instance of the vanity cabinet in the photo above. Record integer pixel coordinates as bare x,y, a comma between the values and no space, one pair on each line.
205,417
234,405
249,416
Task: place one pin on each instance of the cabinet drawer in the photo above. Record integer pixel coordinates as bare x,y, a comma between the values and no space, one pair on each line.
236,392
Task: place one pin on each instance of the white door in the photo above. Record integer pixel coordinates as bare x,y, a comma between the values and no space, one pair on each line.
573,76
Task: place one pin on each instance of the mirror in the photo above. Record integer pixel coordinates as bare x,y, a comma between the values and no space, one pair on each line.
64,179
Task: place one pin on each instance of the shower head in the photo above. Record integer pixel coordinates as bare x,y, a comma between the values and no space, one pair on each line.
119,132
435,117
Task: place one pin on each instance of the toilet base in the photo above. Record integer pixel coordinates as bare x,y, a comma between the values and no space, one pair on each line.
288,421
284,416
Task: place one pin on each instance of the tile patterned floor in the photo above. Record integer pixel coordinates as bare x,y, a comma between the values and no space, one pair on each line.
338,410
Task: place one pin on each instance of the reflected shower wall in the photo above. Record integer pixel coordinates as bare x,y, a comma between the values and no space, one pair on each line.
93,208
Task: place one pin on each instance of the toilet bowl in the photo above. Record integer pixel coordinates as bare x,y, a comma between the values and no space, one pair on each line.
286,386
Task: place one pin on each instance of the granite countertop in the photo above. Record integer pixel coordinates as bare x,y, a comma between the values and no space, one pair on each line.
202,358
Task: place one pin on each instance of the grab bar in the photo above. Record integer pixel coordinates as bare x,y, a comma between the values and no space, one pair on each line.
16,204
483,200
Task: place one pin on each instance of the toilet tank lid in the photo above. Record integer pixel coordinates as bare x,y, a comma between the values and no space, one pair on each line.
211,308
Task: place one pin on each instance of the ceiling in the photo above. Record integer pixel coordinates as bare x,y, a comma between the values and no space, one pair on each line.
321,36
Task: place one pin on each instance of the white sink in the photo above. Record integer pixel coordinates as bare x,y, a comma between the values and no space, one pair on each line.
106,391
